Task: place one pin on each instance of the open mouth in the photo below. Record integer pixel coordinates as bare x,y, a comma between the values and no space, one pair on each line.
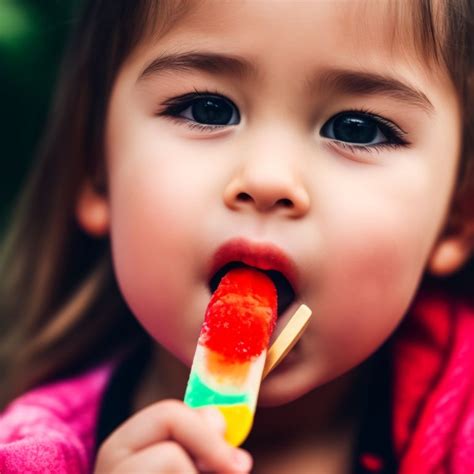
285,292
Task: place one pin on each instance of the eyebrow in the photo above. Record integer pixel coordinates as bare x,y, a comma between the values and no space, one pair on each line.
338,80
366,83
201,61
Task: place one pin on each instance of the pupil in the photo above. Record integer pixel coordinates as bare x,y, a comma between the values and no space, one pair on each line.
354,129
211,111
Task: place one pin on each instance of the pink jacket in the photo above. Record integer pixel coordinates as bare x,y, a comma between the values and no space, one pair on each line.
51,429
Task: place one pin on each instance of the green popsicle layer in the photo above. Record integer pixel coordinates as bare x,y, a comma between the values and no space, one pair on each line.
198,394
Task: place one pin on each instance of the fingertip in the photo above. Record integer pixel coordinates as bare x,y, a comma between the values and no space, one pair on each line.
241,460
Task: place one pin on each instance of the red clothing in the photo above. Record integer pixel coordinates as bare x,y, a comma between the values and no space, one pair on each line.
53,428
433,415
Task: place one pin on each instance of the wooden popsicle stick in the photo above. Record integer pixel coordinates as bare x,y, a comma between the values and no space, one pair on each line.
287,338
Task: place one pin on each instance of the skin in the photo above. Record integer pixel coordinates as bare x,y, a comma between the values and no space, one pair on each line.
362,226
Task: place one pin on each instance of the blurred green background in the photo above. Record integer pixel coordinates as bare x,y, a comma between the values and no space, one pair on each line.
33,34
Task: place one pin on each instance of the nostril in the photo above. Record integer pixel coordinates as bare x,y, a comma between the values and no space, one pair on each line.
285,202
244,197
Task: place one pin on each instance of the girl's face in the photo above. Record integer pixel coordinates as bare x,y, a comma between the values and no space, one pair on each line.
300,137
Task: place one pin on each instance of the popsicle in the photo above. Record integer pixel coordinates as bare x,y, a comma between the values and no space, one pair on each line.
230,354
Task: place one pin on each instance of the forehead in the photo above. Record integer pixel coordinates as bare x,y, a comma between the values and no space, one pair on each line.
298,43
358,29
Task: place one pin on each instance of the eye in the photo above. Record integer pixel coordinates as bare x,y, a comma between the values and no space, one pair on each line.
205,111
363,129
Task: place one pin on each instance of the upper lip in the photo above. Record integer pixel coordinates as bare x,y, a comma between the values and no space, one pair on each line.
261,255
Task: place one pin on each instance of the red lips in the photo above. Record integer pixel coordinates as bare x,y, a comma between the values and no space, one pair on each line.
264,256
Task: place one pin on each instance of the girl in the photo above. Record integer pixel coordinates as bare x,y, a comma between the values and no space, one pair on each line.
330,138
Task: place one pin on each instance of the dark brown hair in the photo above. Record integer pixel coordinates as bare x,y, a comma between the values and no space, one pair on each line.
58,295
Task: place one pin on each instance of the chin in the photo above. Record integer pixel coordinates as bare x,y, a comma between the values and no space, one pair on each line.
275,398
284,386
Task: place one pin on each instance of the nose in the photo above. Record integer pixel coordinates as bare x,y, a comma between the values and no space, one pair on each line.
270,179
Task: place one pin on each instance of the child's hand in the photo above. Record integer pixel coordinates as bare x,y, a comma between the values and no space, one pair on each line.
170,437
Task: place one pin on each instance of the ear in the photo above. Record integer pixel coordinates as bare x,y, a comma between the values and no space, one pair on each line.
92,210
452,251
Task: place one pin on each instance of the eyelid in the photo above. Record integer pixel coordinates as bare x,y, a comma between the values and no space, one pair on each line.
202,127
368,113
358,149
385,121
187,98
178,104
393,129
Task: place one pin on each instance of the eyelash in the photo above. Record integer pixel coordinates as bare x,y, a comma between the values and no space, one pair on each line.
395,135
176,105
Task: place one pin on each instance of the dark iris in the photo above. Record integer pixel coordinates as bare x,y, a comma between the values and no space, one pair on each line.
354,129
211,111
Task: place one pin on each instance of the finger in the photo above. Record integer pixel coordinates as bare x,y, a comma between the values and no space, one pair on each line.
213,417
167,457
173,420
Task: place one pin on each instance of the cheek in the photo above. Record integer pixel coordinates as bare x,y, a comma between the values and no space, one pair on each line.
371,281
366,292
156,205
146,258
376,254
